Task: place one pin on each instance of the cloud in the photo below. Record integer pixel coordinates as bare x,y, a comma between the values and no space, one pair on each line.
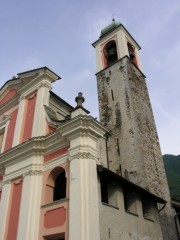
168,126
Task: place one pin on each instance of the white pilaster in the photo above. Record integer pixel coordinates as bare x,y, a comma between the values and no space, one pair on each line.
83,205
39,123
83,132
4,126
4,206
28,227
19,121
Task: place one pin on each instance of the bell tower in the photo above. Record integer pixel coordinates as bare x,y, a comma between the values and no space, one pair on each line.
114,43
132,144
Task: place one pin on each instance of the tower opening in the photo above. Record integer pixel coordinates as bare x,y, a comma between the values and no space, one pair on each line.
110,53
132,54
60,187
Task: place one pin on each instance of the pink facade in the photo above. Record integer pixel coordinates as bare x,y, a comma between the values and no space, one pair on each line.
53,205
55,154
54,213
28,118
8,96
12,226
11,129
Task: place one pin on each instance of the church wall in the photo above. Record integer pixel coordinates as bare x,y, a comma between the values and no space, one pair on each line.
54,214
28,117
117,223
8,96
10,131
14,210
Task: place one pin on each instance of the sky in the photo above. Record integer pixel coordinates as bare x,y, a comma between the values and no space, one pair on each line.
58,34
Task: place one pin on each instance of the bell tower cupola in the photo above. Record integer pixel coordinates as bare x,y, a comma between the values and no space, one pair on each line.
114,43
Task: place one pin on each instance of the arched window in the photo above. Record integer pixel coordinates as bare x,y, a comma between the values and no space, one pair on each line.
60,187
56,185
110,53
132,54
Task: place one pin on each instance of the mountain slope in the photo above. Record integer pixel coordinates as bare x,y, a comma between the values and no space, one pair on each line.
172,167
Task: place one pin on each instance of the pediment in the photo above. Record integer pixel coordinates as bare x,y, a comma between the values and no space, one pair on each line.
9,90
26,83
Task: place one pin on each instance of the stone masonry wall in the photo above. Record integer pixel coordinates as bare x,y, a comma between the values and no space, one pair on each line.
133,145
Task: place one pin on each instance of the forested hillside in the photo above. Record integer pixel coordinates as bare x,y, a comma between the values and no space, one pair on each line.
172,166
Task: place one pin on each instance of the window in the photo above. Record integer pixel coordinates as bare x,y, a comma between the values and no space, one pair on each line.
47,238
57,236
147,208
56,185
130,200
104,189
60,187
110,53
132,54
109,190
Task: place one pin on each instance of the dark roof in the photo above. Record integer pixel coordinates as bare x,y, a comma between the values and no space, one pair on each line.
110,27
114,176
60,99
81,108
8,82
33,70
111,30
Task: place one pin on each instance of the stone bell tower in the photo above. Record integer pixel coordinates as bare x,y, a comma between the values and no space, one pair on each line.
133,149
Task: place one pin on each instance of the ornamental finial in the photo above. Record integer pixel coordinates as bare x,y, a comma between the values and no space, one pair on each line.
79,99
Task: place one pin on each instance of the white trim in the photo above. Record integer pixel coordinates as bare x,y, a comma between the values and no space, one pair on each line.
4,128
4,206
28,227
83,200
55,162
22,171
42,98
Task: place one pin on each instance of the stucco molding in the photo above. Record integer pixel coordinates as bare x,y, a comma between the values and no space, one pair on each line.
44,83
8,181
33,173
31,169
84,155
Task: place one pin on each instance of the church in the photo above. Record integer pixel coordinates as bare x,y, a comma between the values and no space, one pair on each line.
64,175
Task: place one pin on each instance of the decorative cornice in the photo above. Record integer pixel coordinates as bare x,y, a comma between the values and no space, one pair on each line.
33,173
8,181
82,124
31,169
44,84
83,155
